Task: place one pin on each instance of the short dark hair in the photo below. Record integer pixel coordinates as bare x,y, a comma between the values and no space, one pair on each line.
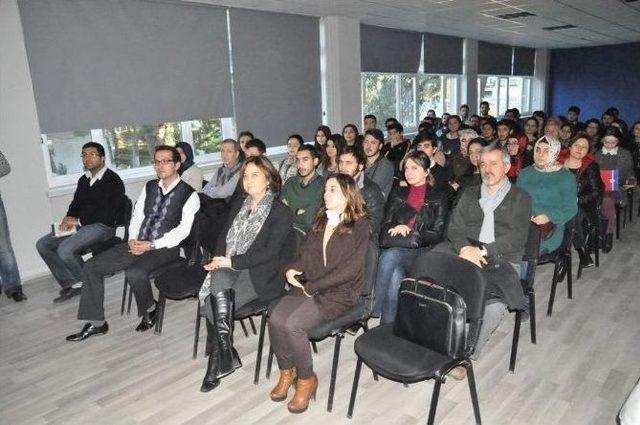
96,146
507,123
396,126
357,153
235,143
392,119
297,137
256,143
492,123
455,117
267,168
371,116
309,148
575,109
484,102
245,133
175,155
376,134
464,105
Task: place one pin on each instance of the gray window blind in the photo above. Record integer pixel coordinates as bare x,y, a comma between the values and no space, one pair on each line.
389,50
494,59
276,74
442,54
97,64
524,60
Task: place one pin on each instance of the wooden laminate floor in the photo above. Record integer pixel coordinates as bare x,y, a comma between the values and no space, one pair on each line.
584,365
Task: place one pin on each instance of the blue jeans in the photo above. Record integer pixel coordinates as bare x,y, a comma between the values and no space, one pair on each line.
63,255
9,274
394,265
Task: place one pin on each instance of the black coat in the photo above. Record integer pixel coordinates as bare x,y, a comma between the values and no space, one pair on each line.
374,200
430,222
264,258
590,191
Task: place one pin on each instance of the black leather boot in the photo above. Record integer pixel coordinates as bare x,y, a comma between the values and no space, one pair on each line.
585,259
608,244
223,305
211,380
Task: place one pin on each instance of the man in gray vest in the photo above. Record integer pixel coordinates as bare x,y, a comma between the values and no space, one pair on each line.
162,218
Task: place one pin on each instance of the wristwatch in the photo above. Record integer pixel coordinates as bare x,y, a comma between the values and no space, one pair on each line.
153,245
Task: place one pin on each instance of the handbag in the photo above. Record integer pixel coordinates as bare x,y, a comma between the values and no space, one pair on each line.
547,230
432,316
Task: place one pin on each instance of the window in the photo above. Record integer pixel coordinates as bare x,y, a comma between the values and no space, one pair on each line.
504,93
408,97
129,149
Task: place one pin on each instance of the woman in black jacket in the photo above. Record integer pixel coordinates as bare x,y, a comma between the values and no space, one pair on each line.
414,221
247,262
581,161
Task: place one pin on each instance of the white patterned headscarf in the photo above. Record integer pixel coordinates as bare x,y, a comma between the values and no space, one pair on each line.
554,151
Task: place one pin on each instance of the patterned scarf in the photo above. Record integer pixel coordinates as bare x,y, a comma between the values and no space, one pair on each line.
247,224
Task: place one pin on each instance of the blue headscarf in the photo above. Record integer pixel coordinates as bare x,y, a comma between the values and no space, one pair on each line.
188,151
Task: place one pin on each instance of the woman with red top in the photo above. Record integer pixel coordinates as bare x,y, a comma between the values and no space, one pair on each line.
581,161
516,154
415,217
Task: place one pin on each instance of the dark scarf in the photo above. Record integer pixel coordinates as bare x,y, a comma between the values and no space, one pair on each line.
188,151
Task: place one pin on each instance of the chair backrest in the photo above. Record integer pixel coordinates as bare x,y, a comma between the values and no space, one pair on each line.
568,235
124,218
531,253
370,273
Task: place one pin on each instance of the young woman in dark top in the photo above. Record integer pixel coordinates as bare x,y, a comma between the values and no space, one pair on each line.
326,280
333,147
350,134
419,207
582,162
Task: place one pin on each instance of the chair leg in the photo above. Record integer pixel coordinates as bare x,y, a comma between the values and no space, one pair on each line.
354,388
269,362
124,296
129,301
474,394
253,326
365,328
162,302
597,246
196,334
514,343
434,402
630,203
244,328
314,347
532,316
552,295
334,372
569,276
263,326
617,222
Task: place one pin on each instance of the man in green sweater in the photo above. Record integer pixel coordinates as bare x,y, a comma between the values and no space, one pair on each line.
303,192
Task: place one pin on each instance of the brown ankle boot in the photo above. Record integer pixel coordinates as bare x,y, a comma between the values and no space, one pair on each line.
305,389
281,390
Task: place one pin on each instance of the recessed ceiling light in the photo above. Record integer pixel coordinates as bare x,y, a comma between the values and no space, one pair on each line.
515,15
559,27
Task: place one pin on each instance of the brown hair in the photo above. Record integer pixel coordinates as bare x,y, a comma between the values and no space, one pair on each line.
421,160
581,135
354,211
267,168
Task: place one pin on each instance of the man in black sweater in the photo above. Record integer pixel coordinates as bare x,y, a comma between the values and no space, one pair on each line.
96,207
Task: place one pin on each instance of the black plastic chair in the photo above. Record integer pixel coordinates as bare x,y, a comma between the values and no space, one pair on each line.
594,235
530,258
403,361
560,258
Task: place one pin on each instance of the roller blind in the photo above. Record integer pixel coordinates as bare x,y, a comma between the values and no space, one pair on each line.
494,59
389,50
524,60
442,54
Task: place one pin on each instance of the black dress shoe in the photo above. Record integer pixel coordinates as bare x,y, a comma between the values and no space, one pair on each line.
17,295
148,321
89,330
66,294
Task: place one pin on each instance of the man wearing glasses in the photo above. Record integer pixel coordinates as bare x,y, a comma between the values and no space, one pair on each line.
93,215
162,218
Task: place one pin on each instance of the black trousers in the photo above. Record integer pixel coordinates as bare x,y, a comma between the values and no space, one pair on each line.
137,269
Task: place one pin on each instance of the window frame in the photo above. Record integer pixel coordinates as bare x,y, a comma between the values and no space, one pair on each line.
526,101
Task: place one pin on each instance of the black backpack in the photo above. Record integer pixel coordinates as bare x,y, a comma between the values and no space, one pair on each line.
432,316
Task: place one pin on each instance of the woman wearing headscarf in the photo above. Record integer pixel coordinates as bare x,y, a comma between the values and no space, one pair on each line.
553,192
189,172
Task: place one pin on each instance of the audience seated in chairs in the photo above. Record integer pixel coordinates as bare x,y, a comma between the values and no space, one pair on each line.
612,157
581,161
303,192
326,281
553,192
415,217
489,227
161,219
96,206
246,263
189,172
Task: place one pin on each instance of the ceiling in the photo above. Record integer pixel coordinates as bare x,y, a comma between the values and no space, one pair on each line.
597,22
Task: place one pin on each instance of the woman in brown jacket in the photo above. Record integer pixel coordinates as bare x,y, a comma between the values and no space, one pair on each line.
326,280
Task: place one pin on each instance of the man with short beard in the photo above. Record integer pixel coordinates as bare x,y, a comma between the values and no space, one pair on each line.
379,169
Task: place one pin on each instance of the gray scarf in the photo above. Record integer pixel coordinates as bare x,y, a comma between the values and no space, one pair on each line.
489,202
247,224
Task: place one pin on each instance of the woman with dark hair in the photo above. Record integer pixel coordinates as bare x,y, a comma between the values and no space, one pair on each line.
287,167
350,134
189,172
334,146
243,138
414,221
582,163
246,262
326,280
541,116
594,131
567,131
513,147
531,129
323,133
450,141
472,176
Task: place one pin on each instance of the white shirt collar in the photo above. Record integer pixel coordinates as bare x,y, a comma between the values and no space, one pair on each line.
171,186
98,176
613,151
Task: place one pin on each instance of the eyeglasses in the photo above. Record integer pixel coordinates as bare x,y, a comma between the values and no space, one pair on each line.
158,162
89,154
